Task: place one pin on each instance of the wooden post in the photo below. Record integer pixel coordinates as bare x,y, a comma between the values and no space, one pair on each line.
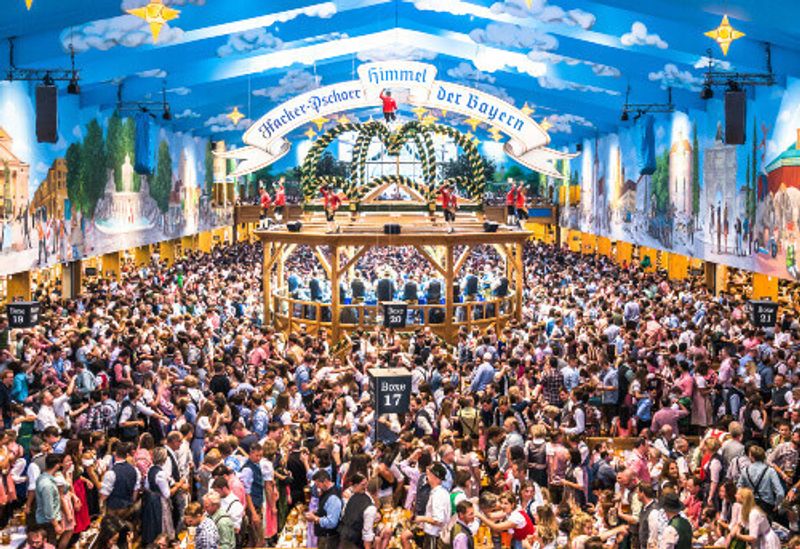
677,266
335,294
448,300
141,255
765,287
19,287
204,241
517,247
267,282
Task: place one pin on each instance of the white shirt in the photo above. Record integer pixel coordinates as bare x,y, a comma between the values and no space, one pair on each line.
110,478
438,509
234,508
370,514
46,418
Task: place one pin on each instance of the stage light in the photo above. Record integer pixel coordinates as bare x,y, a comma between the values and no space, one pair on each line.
73,88
733,86
167,114
706,93
624,116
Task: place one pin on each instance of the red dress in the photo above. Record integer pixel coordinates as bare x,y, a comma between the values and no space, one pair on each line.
82,520
280,197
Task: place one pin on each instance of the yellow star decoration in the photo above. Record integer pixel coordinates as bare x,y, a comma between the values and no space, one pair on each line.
156,14
28,4
527,110
472,123
545,124
724,35
530,3
235,116
443,113
321,121
311,134
420,112
343,120
429,120
495,133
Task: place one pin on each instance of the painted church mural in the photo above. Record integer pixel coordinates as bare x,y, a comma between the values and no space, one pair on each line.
737,205
62,202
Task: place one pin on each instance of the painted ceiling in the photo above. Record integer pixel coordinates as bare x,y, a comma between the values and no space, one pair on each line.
570,60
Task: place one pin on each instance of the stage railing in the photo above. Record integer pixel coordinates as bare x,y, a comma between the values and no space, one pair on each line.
290,313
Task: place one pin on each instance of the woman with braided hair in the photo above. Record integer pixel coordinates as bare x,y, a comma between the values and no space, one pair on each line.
331,202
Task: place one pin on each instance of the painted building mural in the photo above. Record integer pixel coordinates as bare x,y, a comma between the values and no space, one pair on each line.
694,194
82,196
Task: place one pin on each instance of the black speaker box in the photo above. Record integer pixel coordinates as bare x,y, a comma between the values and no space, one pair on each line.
46,114
735,117
391,228
294,226
490,227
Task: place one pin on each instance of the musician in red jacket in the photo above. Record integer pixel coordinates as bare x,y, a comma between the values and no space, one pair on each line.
389,106
511,202
331,203
265,202
280,201
521,206
449,201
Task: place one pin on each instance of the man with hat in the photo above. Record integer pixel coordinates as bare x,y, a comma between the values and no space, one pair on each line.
678,533
437,512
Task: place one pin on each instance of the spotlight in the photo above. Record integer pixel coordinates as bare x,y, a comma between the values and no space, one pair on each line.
48,80
73,88
624,116
638,115
733,86
706,93
167,114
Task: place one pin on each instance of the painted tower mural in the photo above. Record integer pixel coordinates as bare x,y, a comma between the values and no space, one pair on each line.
733,204
65,201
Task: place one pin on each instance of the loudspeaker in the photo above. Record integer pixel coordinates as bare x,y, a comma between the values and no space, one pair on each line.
294,226
735,117
46,114
391,228
490,227
578,147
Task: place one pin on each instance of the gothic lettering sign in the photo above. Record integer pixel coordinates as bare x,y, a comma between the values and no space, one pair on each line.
391,390
764,314
394,315
22,314
265,139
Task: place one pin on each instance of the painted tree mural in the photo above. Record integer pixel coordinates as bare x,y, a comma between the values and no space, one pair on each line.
74,182
93,165
162,182
660,183
209,164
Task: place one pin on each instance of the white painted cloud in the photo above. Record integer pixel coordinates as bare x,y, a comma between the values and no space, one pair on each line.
547,13
187,113
292,83
496,91
605,70
221,123
508,35
489,61
672,76
455,7
717,64
153,73
125,30
562,123
555,83
639,36
253,40
180,91
327,37
465,71
77,132
395,52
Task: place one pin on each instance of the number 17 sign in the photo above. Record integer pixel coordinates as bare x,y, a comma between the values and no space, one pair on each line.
391,390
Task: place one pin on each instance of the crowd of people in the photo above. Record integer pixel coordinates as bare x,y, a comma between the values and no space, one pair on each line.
624,410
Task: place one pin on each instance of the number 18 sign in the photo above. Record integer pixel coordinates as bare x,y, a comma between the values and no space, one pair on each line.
391,390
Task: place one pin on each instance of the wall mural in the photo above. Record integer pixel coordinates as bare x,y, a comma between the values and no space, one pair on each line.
82,197
695,195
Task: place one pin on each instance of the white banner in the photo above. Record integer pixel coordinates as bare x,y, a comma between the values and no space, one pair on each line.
265,140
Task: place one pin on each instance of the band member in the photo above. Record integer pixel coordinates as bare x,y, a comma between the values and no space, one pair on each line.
511,201
280,201
389,106
266,202
521,206
331,202
449,202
